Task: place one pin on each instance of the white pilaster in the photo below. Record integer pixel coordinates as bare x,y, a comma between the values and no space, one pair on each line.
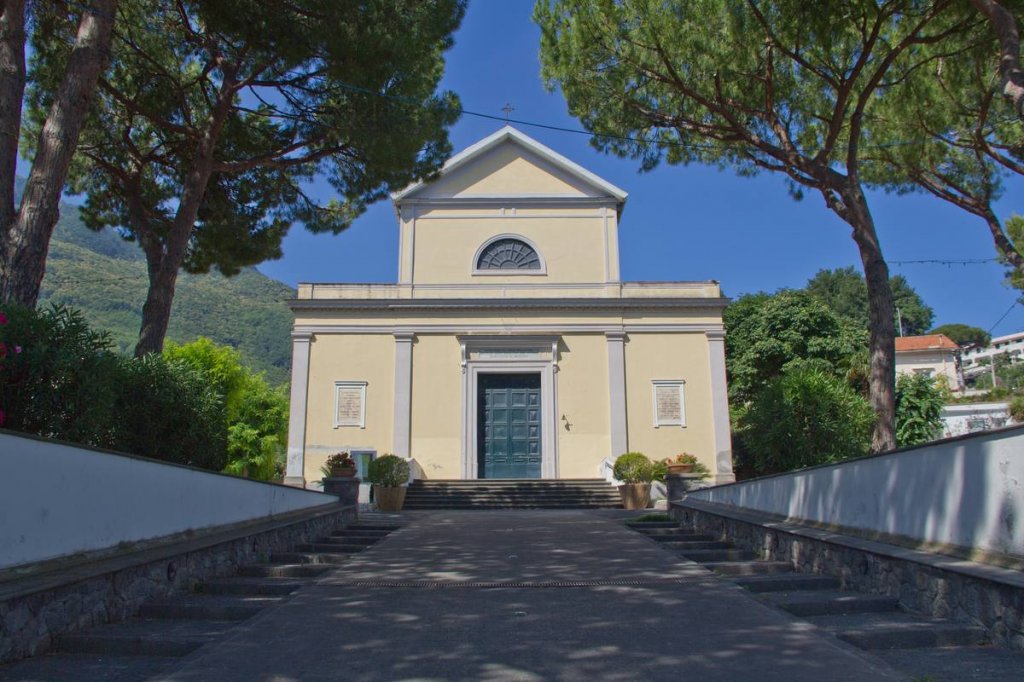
403,393
295,472
720,407
617,392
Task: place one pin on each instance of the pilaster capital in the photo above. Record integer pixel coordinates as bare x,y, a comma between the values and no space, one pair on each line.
618,336
404,336
302,337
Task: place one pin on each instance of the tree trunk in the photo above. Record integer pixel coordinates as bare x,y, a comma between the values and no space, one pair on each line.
27,236
882,344
12,91
156,313
1005,26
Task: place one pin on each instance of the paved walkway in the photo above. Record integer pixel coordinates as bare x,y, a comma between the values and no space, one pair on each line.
524,596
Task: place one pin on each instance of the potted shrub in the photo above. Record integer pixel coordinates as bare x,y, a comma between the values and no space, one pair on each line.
683,463
339,465
636,473
389,474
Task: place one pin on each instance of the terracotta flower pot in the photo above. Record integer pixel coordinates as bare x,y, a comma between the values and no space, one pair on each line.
389,499
343,472
635,495
680,468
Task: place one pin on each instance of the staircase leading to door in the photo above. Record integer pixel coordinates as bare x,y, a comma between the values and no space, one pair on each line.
564,493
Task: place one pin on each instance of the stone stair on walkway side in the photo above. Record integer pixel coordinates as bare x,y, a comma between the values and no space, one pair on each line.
564,493
868,621
169,628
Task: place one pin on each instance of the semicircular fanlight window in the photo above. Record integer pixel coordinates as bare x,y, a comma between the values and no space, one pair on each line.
508,254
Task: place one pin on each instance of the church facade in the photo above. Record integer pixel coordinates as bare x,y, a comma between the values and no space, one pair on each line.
509,347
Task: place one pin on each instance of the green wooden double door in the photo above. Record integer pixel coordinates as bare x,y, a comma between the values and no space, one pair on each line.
509,443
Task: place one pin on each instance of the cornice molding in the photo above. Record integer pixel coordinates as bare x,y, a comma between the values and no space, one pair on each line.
482,304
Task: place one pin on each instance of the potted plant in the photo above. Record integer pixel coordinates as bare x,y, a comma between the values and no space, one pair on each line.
683,463
339,465
389,474
636,472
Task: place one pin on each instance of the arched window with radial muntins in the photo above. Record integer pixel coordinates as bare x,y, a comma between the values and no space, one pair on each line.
508,253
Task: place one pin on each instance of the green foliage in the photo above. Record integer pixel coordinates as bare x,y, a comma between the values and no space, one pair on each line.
169,411
634,467
1015,233
1017,409
845,292
256,416
919,402
964,334
769,333
104,277
67,383
215,116
63,383
802,418
389,471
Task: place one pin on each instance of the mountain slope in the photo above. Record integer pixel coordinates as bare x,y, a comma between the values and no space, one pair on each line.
105,277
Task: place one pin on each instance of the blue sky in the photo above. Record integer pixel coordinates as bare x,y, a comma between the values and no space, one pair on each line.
680,223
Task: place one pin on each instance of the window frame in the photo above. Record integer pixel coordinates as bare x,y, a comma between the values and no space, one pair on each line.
509,272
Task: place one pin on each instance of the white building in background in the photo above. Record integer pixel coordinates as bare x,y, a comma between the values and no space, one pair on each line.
965,418
1011,345
934,355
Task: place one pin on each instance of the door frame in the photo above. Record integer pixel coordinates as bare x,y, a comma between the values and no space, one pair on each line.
524,356
481,456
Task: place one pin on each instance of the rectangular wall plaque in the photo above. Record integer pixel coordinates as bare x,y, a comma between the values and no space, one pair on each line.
350,403
669,403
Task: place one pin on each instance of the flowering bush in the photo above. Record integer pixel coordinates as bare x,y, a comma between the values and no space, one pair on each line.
339,460
681,458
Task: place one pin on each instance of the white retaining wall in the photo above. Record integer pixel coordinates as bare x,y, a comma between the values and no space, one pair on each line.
966,491
58,499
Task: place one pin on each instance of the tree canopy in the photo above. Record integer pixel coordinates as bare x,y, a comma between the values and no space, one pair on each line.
216,115
785,86
766,334
844,291
964,334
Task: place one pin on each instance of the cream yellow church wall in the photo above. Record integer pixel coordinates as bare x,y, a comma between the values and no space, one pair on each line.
583,400
507,170
572,249
436,415
365,357
651,357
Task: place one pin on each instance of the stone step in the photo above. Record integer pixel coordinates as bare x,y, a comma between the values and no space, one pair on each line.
706,556
309,558
898,631
749,567
360,533
653,525
251,586
145,637
659,530
329,547
374,526
342,536
284,570
682,537
552,499
696,544
207,607
825,602
483,506
56,667
787,582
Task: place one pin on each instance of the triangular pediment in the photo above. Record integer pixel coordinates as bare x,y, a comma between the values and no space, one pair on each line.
511,164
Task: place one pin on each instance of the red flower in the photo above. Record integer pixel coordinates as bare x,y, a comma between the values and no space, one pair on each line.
3,318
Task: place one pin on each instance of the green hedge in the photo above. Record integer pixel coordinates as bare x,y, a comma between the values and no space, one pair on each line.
59,379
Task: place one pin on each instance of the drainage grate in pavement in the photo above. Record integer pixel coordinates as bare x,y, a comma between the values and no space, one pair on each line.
440,584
